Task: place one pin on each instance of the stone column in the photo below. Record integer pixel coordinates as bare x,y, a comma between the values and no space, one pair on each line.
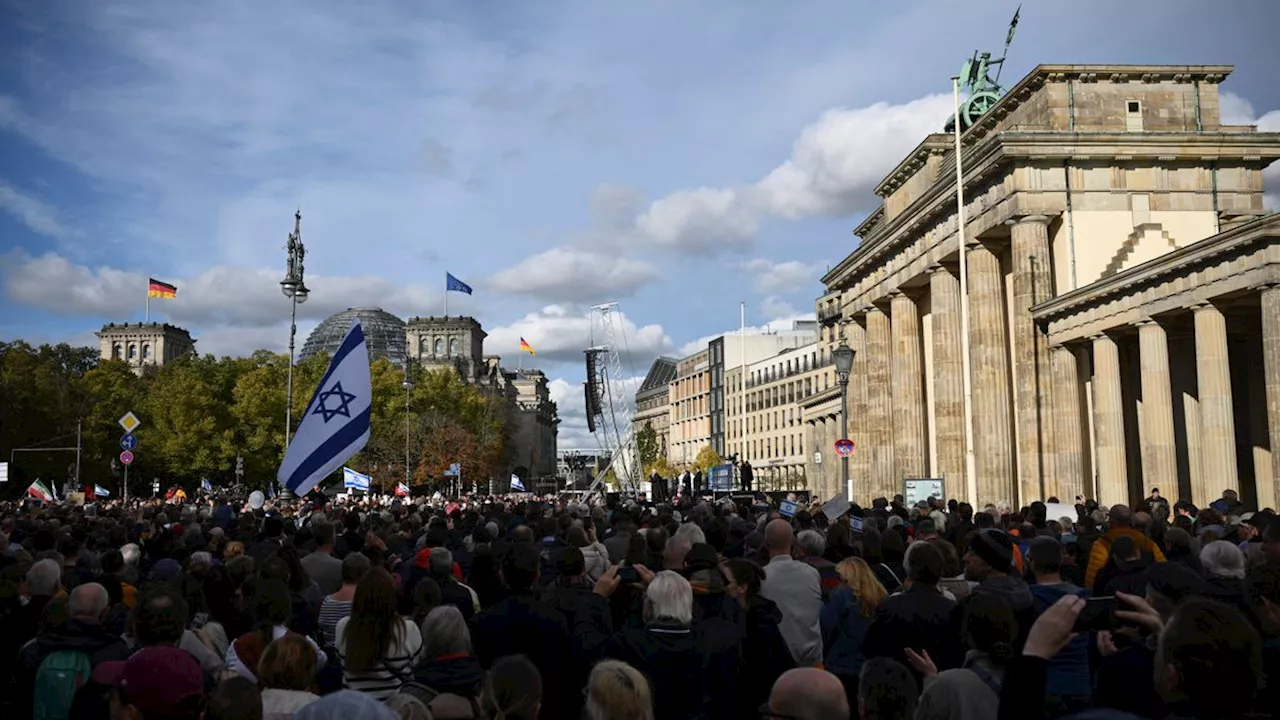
1031,284
1159,453
993,436
908,388
1108,420
948,380
1068,425
1267,497
1217,417
859,429
881,476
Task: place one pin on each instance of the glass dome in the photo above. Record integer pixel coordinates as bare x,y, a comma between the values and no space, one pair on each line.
383,333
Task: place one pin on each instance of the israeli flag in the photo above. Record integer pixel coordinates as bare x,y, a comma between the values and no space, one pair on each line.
100,491
355,480
335,425
205,485
517,484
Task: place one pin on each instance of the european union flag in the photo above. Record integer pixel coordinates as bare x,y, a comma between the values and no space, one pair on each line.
453,284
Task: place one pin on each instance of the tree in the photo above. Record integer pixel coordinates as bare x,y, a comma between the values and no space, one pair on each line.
707,458
647,446
664,468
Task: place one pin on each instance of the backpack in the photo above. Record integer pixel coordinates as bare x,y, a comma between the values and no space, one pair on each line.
427,696
60,675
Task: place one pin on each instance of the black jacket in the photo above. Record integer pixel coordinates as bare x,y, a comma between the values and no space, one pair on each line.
524,625
92,640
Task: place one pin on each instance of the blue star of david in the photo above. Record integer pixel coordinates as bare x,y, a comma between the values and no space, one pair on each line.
344,403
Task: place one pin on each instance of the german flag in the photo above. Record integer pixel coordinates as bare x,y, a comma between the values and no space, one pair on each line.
526,347
157,289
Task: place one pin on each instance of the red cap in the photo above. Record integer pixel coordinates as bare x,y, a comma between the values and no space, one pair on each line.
156,680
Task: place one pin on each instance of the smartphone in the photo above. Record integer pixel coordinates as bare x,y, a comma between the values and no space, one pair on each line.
628,576
1099,613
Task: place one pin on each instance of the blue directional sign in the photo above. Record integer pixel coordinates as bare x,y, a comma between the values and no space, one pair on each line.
128,441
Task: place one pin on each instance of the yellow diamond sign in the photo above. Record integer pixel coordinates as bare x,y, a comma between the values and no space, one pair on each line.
130,422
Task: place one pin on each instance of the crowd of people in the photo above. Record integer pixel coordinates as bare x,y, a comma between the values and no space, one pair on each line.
522,608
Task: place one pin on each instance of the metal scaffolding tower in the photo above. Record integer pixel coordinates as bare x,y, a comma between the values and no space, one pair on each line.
611,416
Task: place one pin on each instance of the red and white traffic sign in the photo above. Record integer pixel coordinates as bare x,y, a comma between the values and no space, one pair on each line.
844,448
126,457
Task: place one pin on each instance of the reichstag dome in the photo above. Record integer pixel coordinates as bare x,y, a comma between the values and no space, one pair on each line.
383,333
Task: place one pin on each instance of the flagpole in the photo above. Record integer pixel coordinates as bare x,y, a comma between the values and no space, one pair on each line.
446,293
148,301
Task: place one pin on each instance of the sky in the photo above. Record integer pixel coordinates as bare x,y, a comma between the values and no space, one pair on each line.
676,158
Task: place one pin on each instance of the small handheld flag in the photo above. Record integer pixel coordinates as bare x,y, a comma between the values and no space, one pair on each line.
40,491
526,347
517,484
100,491
335,425
205,485
158,289
354,480
402,490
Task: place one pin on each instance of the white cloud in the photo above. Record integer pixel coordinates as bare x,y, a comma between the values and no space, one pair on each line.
564,274
775,308
35,214
236,298
834,165
769,276
561,333
571,406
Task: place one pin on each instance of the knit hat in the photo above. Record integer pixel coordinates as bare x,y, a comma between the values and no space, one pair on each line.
995,547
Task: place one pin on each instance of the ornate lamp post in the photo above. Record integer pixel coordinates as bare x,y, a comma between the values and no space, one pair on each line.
295,289
843,358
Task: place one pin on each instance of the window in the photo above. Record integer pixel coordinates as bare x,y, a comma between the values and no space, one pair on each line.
133,351
439,346
1133,116
1135,106
146,351
454,346
424,346
117,351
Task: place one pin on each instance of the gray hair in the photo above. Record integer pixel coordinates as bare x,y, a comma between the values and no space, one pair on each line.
692,533
669,596
906,557
131,553
441,563
894,521
43,577
87,602
812,542
408,707
201,557
444,632
1223,559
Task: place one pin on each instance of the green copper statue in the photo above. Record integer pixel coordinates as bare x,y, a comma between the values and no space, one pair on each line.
982,92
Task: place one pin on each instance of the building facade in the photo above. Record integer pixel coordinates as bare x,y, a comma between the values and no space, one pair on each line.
690,409
454,342
143,344
1087,191
653,401
536,424
736,350
383,334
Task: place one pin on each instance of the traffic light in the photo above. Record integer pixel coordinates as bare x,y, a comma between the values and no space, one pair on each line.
239,466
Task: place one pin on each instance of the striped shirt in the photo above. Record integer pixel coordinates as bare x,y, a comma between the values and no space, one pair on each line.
331,611
383,680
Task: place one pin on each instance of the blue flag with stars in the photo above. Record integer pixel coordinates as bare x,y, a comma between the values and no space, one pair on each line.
453,284
335,425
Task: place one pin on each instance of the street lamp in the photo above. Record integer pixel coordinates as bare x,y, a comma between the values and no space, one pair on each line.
294,288
843,357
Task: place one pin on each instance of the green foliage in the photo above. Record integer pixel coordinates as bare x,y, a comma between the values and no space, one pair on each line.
707,458
198,414
647,447
664,468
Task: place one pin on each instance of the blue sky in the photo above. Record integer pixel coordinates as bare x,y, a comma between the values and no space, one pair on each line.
677,157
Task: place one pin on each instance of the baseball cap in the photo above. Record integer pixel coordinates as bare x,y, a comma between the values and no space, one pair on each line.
159,681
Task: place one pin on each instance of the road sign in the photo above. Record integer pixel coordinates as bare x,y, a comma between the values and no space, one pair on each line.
126,458
4,472
844,448
130,422
128,442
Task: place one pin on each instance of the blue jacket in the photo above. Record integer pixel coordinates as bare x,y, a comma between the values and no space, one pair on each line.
1069,669
843,630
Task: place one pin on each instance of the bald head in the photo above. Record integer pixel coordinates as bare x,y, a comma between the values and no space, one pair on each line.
87,602
809,694
778,537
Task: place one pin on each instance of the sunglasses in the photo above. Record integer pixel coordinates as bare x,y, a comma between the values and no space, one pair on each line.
767,714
